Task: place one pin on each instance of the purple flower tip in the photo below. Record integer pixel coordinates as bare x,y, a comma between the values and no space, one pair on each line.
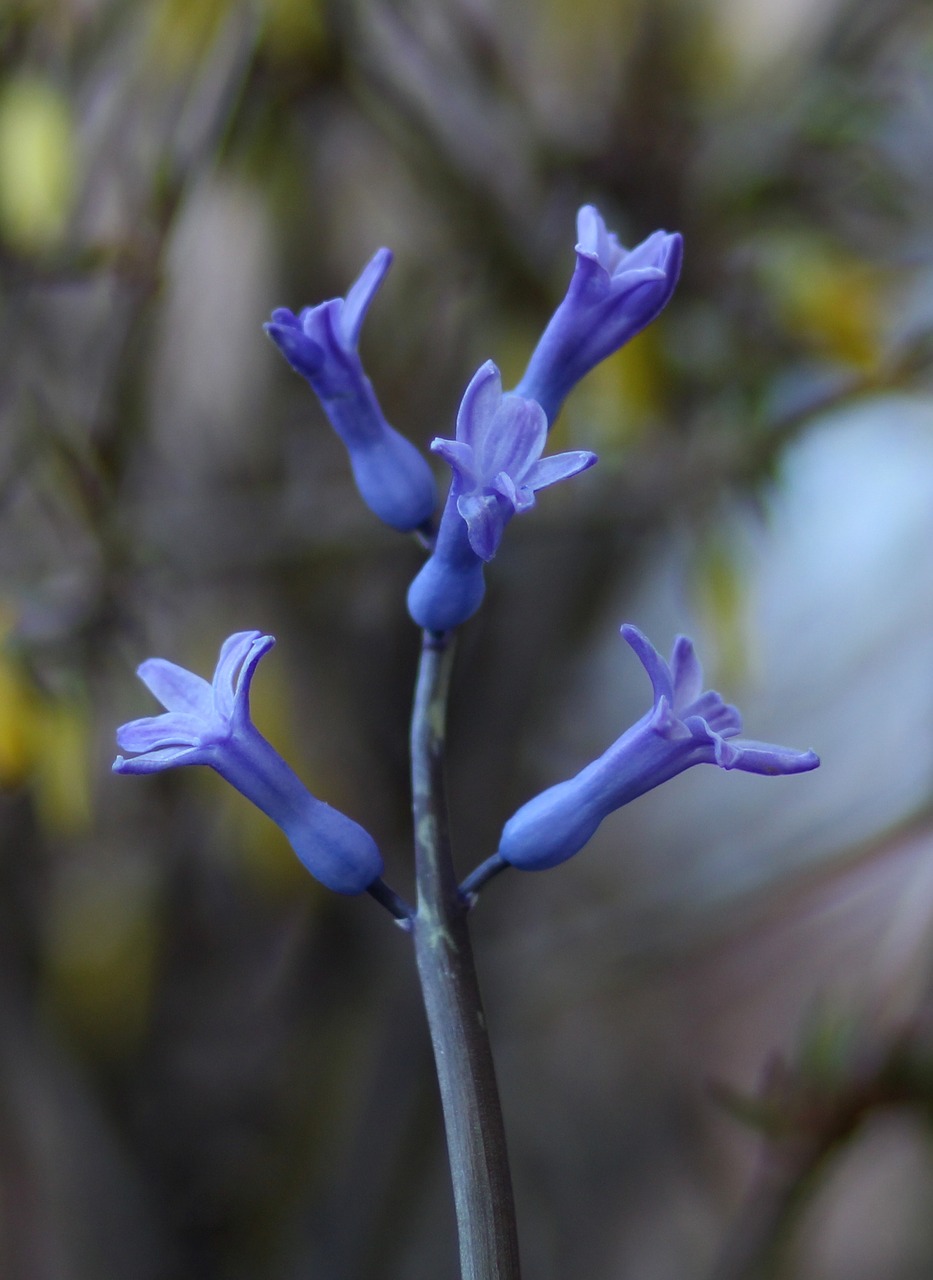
613,294
320,343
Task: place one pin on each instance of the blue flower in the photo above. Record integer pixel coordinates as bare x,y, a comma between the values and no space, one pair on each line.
685,726
210,724
613,294
497,469
320,343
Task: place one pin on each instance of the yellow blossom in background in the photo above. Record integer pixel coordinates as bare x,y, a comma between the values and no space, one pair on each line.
183,30
17,723
100,942
511,344
60,781
37,163
45,745
720,599
292,29
832,300
619,399
259,849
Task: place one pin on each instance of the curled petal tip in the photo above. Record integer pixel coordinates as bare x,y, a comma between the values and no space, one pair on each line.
772,761
805,761
360,295
282,316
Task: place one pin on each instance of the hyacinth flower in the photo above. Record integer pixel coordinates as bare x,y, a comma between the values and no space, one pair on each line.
685,726
210,724
320,343
613,294
497,469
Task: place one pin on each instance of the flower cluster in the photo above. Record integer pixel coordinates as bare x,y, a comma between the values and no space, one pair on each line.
497,469
496,456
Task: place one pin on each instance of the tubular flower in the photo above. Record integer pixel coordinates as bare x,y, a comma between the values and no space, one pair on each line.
685,726
497,469
210,724
613,294
320,343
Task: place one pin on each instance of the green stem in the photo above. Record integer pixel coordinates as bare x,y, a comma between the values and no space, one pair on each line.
469,1097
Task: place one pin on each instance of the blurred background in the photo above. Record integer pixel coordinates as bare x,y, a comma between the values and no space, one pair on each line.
712,1028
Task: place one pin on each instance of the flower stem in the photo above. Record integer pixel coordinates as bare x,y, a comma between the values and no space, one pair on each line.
480,877
393,903
469,1097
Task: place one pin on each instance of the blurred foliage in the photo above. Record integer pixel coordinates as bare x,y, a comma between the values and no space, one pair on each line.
45,743
209,1067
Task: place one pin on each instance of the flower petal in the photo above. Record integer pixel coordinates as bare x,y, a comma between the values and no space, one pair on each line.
595,241
314,326
156,761
701,731
176,688
478,406
721,716
652,253
518,499
459,457
174,729
658,671
259,648
687,674
360,295
662,720
630,284
485,522
302,353
513,441
765,758
232,653
559,466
